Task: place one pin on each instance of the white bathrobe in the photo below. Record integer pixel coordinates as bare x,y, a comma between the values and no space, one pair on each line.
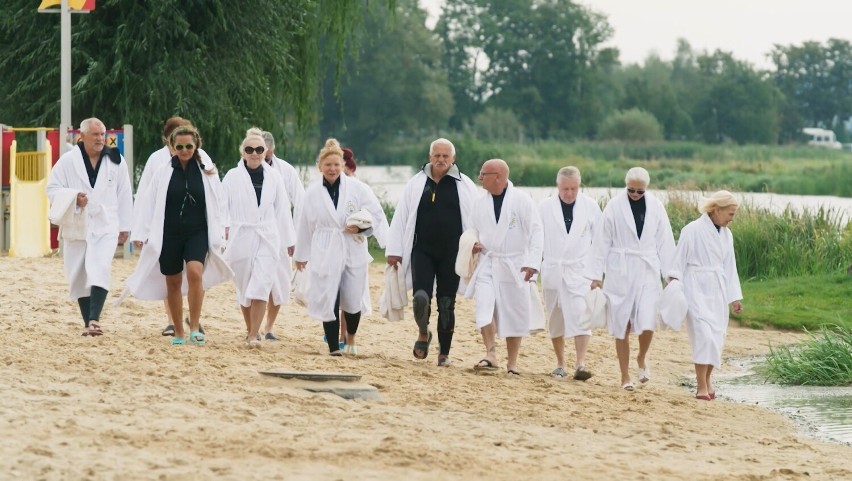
146,282
336,260
497,284
88,261
633,266
562,279
401,236
705,262
259,236
292,182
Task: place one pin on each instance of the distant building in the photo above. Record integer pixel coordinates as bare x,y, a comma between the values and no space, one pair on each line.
822,138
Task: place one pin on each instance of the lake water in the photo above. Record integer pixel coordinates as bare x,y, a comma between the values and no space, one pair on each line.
388,183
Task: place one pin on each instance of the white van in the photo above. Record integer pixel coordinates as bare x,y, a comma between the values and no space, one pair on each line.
822,138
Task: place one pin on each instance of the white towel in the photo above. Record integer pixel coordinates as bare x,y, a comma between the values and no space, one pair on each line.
672,305
362,220
63,212
466,260
394,297
595,315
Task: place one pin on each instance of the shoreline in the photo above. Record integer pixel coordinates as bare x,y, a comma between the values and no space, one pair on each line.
128,405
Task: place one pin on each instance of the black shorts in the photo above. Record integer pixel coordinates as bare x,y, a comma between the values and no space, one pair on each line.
180,247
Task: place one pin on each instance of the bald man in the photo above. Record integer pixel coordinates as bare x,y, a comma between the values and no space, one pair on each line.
510,246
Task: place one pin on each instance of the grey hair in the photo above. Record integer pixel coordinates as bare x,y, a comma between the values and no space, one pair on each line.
723,198
269,139
442,141
637,174
568,172
89,123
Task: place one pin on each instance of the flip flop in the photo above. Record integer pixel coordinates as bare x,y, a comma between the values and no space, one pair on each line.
95,329
703,398
178,341
200,327
168,330
628,386
559,373
198,339
422,346
582,374
512,373
488,365
644,376
712,395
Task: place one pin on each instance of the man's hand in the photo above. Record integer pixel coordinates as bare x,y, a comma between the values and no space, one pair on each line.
737,307
529,272
82,199
477,247
596,284
301,265
351,229
122,236
394,260
138,244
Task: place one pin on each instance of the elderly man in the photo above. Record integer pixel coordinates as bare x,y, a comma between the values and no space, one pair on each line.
633,248
431,215
570,220
510,244
294,191
94,181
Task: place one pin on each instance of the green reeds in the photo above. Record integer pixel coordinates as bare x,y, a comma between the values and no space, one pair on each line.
825,359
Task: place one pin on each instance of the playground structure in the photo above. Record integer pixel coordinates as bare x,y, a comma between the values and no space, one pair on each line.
24,228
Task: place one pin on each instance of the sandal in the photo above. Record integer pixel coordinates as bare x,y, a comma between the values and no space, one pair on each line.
582,374
95,329
168,330
178,341
443,361
198,339
628,386
512,373
422,346
644,376
559,373
253,344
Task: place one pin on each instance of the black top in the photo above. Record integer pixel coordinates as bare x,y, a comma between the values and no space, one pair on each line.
439,221
638,207
186,209
498,203
256,180
717,226
92,171
568,214
333,189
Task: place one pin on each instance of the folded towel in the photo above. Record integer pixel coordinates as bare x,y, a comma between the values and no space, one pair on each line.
394,297
466,260
672,305
362,220
594,317
63,212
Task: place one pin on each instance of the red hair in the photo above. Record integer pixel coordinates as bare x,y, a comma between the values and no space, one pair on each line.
349,159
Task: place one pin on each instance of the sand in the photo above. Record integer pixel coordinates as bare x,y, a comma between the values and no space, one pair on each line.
130,406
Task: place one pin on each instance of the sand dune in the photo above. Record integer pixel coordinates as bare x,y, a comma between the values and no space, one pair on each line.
130,406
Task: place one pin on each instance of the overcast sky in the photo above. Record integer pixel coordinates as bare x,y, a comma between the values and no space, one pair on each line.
748,28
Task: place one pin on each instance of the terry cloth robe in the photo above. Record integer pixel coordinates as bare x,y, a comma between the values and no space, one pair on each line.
292,183
394,295
633,267
146,282
466,260
705,263
88,261
498,284
65,214
562,281
328,250
156,160
259,236
402,228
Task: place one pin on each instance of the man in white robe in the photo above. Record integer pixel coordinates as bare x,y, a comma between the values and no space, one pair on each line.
633,248
294,191
101,179
510,247
156,160
705,262
570,220
432,212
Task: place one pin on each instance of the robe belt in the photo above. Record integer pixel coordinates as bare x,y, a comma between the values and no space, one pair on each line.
571,264
261,229
505,258
720,275
334,234
648,256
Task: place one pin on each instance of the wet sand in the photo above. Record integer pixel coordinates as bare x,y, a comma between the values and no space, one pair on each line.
130,406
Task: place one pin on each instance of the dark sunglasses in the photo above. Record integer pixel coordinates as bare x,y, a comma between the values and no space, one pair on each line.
636,191
184,146
251,150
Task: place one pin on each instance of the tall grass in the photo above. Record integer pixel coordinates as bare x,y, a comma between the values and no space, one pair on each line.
769,245
825,359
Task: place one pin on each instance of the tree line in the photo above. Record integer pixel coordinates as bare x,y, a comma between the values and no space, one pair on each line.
372,74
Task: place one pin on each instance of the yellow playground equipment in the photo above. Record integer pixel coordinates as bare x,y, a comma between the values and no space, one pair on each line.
29,229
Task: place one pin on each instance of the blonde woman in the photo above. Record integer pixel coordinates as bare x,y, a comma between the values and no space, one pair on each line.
705,261
260,229
336,253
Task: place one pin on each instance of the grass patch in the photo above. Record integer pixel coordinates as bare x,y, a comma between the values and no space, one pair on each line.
804,302
825,359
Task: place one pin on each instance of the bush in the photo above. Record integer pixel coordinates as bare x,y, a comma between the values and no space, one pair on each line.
632,125
497,124
825,359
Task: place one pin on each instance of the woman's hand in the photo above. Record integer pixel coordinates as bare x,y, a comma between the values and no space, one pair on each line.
596,284
477,247
351,229
737,307
301,265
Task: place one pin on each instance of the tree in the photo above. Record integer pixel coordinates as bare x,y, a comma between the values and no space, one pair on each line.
395,87
631,125
224,66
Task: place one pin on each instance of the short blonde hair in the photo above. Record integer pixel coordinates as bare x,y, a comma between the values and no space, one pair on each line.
720,199
638,174
568,172
331,147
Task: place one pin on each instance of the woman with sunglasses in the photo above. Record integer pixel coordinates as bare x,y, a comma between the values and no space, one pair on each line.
337,253
633,248
183,228
259,231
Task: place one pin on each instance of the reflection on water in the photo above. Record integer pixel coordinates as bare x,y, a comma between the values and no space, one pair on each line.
824,412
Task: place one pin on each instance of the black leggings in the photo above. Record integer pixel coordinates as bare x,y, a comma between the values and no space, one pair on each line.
426,270
332,328
92,305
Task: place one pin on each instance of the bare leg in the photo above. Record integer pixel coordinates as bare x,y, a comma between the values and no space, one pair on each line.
168,312
581,345
271,314
195,296
513,348
247,318
702,375
622,350
488,335
645,339
257,309
710,388
174,301
559,349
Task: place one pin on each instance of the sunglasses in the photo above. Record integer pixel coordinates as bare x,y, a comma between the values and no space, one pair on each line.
184,146
636,191
252,150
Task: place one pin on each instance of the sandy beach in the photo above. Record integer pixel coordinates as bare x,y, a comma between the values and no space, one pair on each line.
128,405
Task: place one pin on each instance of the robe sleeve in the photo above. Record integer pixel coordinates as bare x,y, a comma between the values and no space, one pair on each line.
374,207
146,201
303,232
665,241
124,195
535,232
601,244
396,232
735,292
